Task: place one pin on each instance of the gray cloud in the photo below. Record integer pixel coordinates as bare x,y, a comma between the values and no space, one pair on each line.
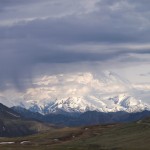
29,37
145,74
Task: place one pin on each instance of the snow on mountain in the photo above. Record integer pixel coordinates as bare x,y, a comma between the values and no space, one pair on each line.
79,105
80,92
83,92
128,103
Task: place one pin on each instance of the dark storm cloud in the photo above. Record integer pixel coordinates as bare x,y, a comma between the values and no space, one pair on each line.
27,40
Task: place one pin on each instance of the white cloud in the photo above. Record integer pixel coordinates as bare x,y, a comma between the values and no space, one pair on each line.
87,85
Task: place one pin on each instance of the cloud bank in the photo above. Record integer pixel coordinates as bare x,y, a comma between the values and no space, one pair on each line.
68,33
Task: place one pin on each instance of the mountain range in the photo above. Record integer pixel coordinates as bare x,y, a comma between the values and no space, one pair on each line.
72,105
78,93
79,99
18,121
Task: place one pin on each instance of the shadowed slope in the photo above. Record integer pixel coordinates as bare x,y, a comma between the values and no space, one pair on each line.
13,124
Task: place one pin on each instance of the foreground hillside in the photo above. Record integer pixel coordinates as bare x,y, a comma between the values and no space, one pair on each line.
12,124
131,136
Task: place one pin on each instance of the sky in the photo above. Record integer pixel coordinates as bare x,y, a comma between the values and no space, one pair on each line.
50,37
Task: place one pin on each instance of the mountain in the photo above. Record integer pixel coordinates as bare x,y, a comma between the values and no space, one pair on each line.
27,113
74,105
13,124
81,119
81,92
8,113
78,93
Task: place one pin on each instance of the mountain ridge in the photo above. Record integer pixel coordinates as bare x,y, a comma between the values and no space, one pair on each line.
121,102
86,118
78,93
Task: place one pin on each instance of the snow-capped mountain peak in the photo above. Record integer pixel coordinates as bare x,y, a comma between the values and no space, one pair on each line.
80,92
80,104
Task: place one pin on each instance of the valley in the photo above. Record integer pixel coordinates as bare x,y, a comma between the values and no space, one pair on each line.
130,136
